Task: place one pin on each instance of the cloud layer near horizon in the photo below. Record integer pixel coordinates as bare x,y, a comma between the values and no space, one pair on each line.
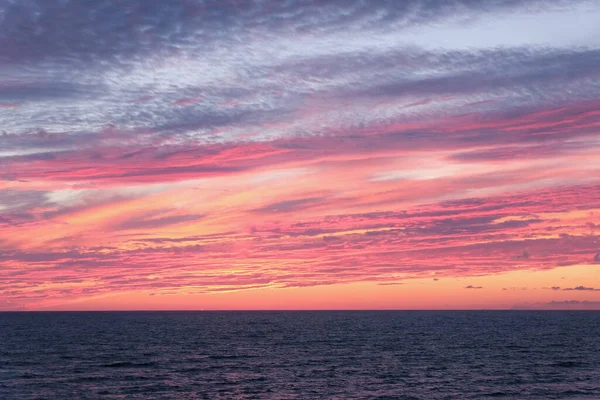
215,146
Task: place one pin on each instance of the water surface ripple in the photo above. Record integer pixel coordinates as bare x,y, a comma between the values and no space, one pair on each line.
300,355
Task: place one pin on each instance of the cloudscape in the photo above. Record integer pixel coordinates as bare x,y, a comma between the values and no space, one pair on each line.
270,154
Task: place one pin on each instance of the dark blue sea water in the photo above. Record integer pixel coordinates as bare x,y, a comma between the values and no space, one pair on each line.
300,355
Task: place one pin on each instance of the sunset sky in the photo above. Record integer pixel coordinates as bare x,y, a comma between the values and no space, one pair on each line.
268,154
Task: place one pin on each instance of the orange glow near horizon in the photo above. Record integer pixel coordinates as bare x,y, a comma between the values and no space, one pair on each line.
495,292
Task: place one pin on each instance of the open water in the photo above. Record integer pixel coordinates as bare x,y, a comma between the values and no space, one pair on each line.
300,355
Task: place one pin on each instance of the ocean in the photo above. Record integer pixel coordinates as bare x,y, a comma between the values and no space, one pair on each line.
300,355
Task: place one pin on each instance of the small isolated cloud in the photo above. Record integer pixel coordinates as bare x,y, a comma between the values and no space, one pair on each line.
583,288
473,287
436,279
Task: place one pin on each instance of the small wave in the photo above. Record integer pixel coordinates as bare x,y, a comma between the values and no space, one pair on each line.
229,357
191,370
92,378
126,364
567,364
500,394
28,375
572,392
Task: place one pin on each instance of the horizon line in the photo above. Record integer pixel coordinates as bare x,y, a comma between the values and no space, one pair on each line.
301,310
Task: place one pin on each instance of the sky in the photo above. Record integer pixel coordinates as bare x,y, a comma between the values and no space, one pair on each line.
295,154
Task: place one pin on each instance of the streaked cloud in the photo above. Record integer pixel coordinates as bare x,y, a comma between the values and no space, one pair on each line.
584,288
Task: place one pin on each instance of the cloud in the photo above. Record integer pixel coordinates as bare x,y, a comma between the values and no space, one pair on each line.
583,288
576,288
289,205
473,287
156,220
216,146
20,200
